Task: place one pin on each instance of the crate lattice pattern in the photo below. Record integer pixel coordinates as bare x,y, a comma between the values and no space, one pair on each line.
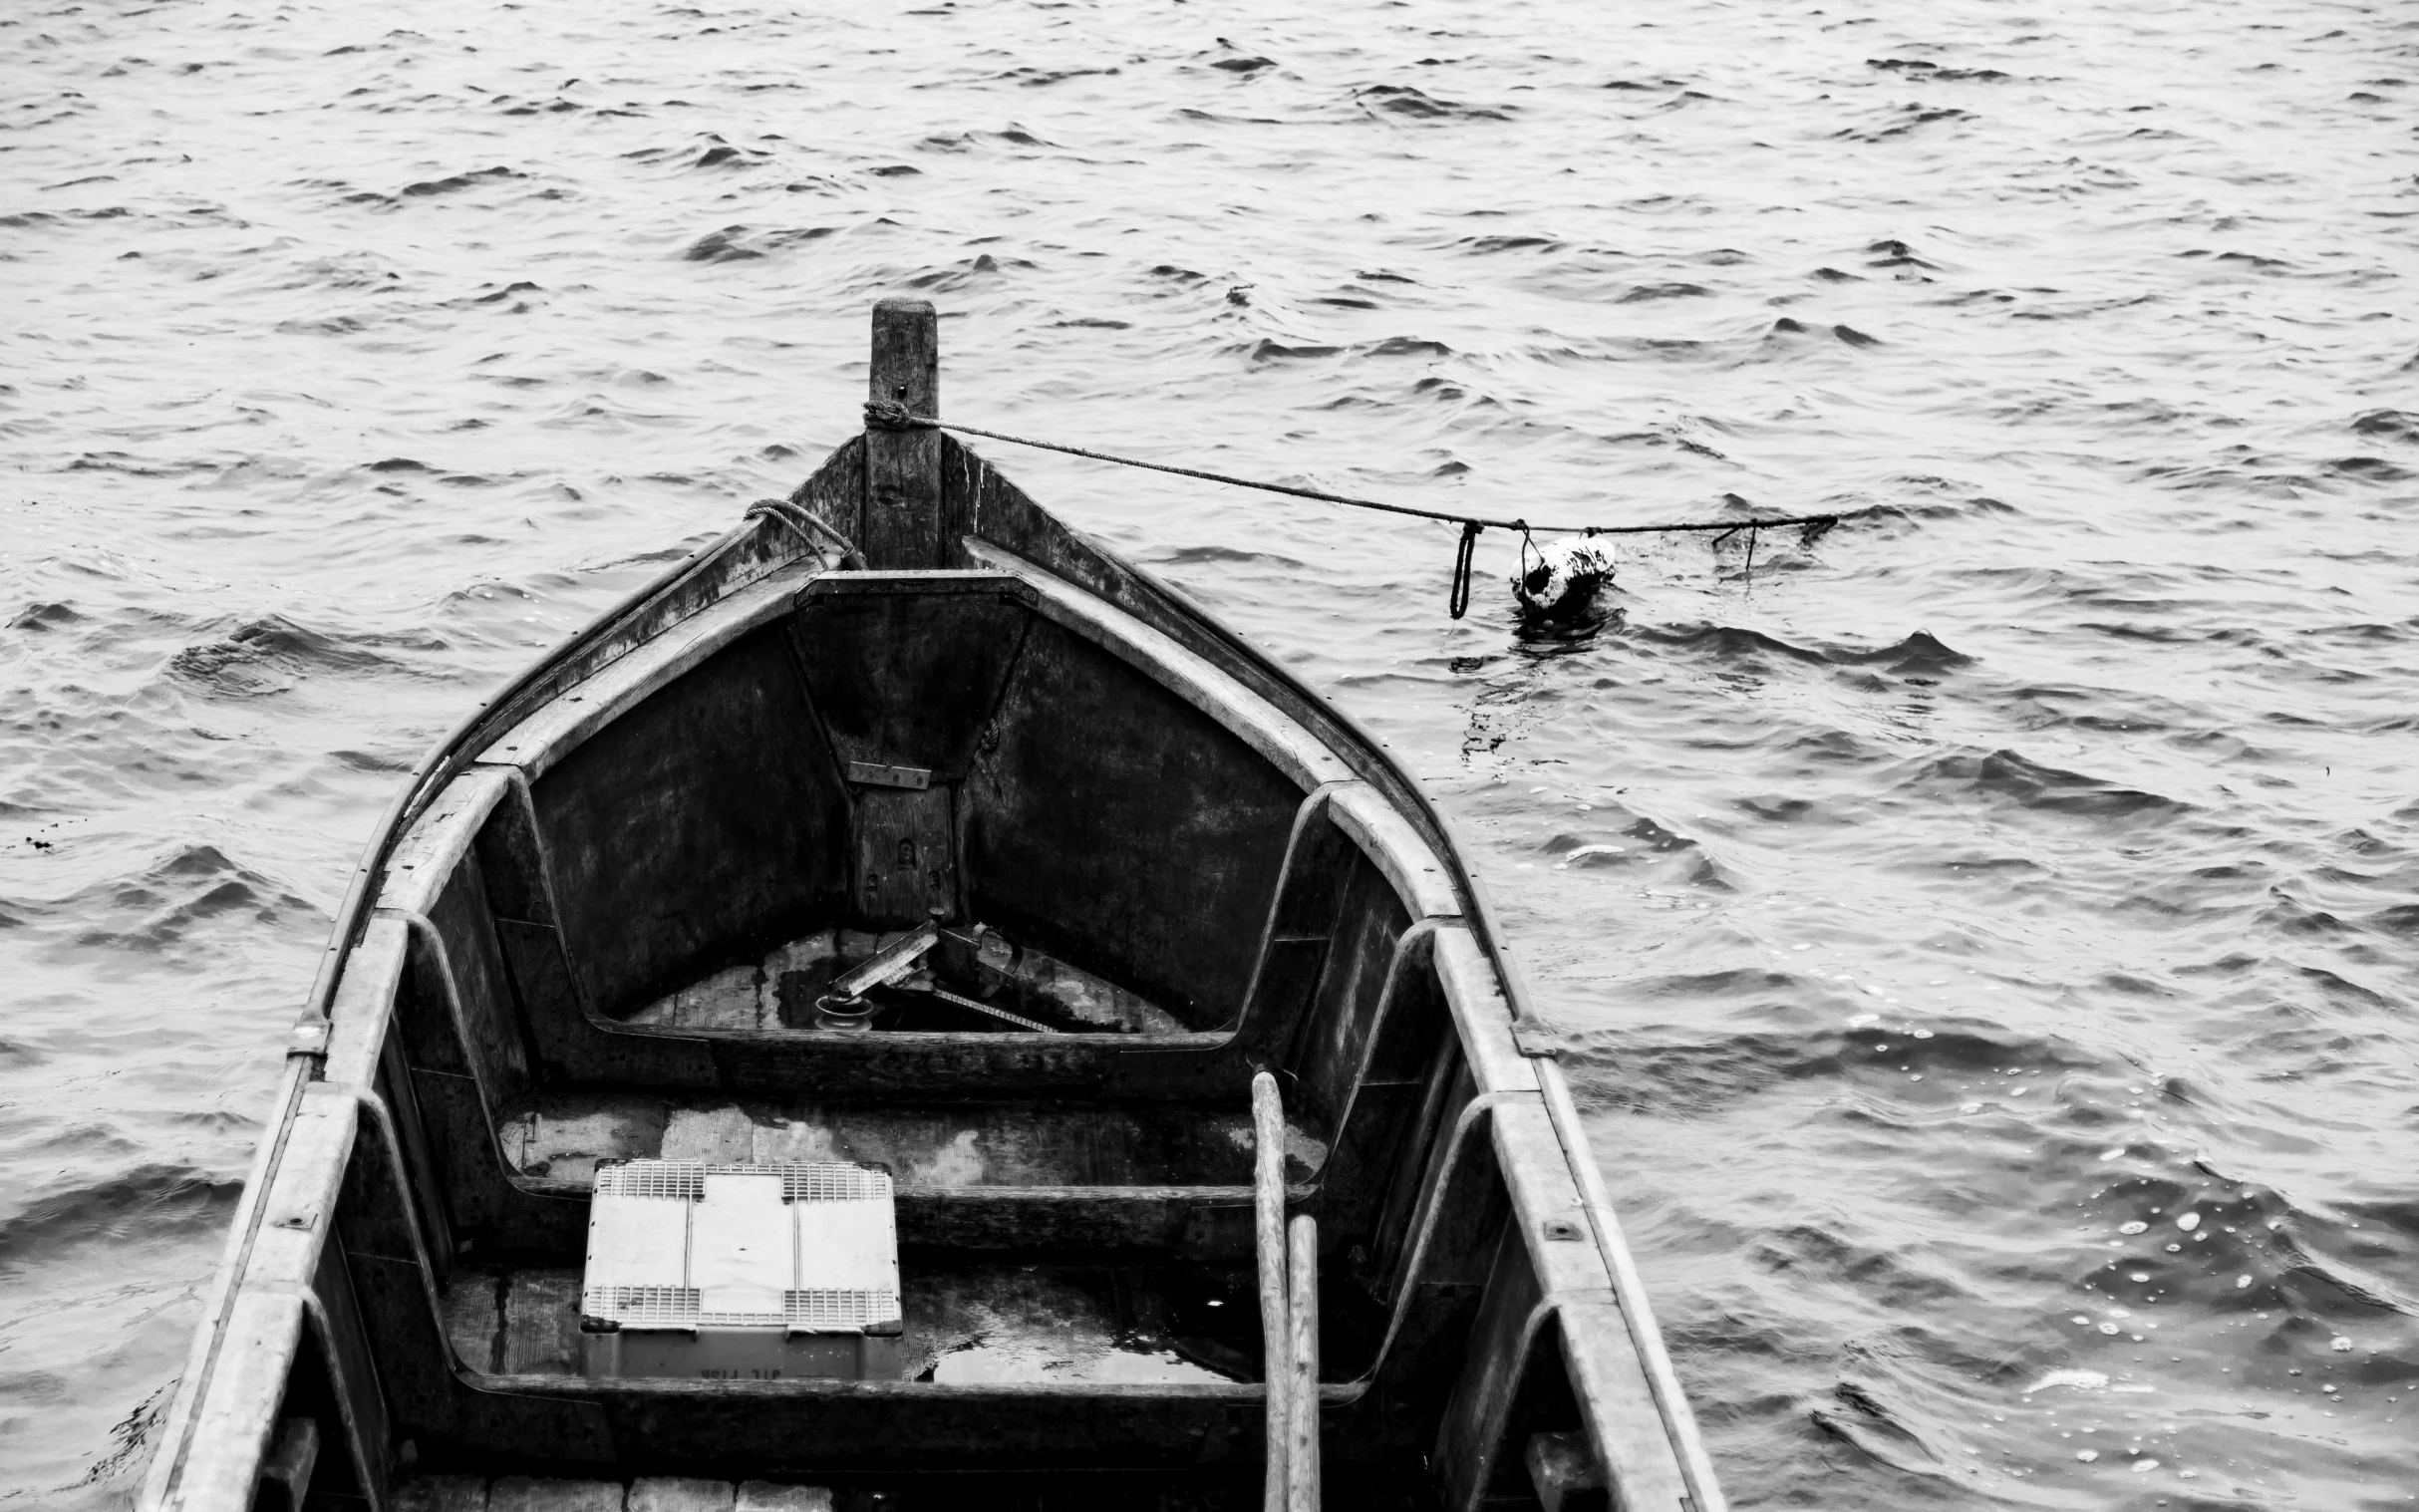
684,1180
814,1311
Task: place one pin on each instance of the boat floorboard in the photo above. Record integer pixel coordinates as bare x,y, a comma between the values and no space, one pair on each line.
663,1493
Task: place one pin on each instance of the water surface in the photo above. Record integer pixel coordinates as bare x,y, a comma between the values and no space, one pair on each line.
1984,941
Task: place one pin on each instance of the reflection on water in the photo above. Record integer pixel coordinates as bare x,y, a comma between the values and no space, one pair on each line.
1934,919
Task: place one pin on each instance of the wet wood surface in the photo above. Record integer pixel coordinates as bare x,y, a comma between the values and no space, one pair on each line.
902,521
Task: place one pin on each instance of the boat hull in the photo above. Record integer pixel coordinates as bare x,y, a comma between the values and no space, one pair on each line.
602,926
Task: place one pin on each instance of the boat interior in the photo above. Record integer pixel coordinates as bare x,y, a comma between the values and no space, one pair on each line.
1133,865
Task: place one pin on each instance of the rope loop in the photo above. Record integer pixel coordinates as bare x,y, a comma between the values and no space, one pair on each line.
1531,578
1457,599
803,524
893,415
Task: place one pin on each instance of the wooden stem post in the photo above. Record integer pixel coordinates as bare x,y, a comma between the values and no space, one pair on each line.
902,521
1267,1204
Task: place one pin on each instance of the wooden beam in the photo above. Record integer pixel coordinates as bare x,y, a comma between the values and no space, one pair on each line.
1301,1365
902,525
1268,1139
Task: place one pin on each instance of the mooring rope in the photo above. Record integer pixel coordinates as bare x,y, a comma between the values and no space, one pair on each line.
807,527
892,414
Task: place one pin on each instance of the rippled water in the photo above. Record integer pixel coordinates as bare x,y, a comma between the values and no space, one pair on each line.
1941,920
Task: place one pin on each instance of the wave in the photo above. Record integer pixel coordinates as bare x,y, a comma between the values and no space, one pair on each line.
743,243
1404,101
2004,775
455,183
160,906
271,654
146,1203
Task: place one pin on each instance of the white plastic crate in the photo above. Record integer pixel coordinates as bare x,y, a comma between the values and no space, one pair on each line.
741,1272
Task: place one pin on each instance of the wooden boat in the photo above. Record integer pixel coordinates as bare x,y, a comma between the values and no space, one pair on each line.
1197,962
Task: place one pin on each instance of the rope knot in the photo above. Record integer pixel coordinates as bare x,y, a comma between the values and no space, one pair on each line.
893,415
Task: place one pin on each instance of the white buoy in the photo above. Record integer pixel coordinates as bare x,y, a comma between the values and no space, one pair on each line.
1561,581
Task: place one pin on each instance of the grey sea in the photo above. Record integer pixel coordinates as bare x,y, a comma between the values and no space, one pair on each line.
1986,941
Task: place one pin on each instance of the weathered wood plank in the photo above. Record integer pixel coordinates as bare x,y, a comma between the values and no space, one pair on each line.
359,1440
391,1289
1630,1443
1292,953
237,1419
679,1493
541,1322
572,1047
1302,1364
675,851
902,526
803,1428
234,1420
1268,1229
906,868
424,860
1378,1140
929,1146
523,1493
1329,1041
429,1401
1563,1470
487,1021
285,1475
1118,828
716,1135
364,1007
1605,1375
906,671
440,1493
1482,1016
1473,1425
766,1496
475,1317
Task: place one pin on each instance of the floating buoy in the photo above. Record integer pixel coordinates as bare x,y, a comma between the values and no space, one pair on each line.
1561,581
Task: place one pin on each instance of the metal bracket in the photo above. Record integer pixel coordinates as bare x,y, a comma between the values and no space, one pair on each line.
887,965
1537,1039
309,1037
875,774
